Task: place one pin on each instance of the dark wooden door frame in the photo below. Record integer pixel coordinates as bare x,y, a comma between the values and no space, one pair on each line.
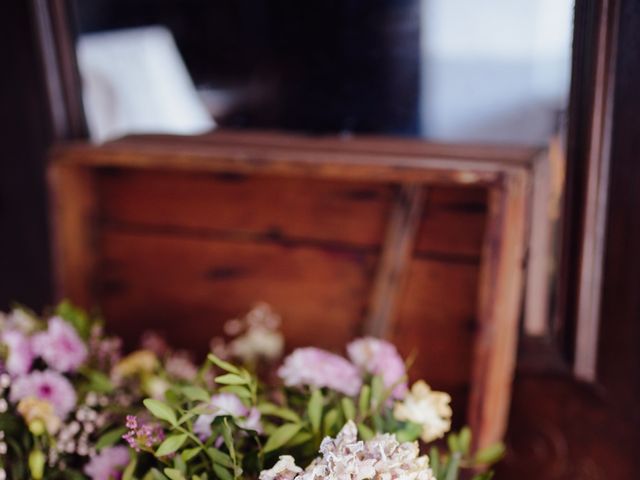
587,182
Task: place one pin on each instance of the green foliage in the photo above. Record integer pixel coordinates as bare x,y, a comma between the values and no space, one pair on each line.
460,457
76,317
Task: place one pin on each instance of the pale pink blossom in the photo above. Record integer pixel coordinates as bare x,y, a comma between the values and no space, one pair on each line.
108,464
60,346
47,385
379,357
227,404
318,368
20,355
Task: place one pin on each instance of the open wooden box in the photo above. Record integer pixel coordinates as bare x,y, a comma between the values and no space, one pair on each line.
420,243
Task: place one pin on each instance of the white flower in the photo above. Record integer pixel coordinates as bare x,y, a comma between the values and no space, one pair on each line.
347,458
258,342
284,469
429,409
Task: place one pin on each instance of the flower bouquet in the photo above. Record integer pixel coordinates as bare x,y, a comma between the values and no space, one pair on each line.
72,407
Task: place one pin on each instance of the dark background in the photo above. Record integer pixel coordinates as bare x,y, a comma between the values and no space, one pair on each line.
316,65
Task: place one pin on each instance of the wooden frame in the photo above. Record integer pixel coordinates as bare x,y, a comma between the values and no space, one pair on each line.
585,207
505,172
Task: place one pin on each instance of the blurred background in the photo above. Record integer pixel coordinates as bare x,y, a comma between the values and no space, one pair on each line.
548,84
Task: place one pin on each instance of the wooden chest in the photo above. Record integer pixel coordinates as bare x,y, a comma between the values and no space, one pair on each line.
420,243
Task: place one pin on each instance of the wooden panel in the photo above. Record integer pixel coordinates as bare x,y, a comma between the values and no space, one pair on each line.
351,213
453,222
186,287
392,268
436,320
74,232
499,306
375,163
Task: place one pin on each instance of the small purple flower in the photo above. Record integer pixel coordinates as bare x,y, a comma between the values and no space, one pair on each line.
379,357
60,346
49,386
319,368
227,404
141,434
108,464
20,353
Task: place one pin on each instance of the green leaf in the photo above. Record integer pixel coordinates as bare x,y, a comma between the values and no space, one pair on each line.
129,471
240,391
453,467
365,398
178,463
194,393
434,461
300,438
218,362
377,391
231,379
189,453
453,443
281,436
174,474
75,316
171,444
160,410
348,408
331,421
483,476
221,472
155,474
37,461
490,454
410,432
110,438
464,440
314,410
218,456
186,416
228,440
365,432
273,410
98,382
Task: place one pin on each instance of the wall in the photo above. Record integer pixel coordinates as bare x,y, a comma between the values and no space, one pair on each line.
496,70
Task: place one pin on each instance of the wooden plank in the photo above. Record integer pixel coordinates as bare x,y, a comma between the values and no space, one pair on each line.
499,307
396,166
297,209
397,251
186,287
360,143
437,319
537,306
73,207
452,224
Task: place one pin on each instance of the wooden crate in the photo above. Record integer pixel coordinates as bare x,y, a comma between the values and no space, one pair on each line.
420,243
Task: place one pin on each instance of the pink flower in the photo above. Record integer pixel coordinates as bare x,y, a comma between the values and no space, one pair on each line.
108,464
319,368
49,386
142,434
379,357
20,354
60,346
227,404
